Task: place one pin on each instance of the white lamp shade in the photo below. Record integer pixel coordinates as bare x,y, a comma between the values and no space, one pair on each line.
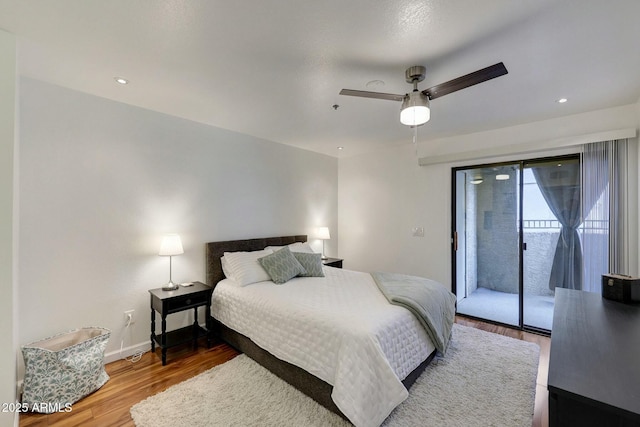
171,245
322,233
415,110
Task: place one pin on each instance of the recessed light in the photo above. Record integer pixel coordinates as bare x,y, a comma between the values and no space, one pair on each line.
502,177
340,148
121,80
562,100
476,181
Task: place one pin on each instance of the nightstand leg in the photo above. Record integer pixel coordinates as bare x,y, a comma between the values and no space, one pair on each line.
163,340
195,328
153,330
207,323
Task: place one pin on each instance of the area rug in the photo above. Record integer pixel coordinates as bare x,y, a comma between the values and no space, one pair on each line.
484,379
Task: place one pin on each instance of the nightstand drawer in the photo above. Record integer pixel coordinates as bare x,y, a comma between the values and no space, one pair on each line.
181,303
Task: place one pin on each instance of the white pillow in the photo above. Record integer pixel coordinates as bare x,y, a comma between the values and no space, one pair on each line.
294,247
225,268
244,268
305,248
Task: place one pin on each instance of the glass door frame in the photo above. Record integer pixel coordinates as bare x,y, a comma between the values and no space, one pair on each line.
520,164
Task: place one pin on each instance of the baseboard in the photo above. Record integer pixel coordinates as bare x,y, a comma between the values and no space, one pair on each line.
127,352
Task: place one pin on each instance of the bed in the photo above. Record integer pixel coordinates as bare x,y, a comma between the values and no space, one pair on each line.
338,385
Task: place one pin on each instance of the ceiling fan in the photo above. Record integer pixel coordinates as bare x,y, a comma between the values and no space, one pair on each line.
415,109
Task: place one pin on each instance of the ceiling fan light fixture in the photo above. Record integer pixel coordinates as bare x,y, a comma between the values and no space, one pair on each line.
415,109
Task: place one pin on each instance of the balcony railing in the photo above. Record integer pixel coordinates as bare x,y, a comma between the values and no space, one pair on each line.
589,225
541,223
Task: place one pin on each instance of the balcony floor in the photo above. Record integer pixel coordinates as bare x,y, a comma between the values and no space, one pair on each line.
503,307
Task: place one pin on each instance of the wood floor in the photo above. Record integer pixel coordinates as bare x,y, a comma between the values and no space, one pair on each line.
133,382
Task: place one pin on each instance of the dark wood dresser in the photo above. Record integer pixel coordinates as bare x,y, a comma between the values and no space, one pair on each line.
594,364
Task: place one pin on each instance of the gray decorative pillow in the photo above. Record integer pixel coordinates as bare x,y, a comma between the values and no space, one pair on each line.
311,262
282,266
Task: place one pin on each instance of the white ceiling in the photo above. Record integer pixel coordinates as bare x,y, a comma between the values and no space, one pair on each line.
273,68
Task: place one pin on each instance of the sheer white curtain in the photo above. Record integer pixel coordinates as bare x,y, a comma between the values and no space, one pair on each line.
604,200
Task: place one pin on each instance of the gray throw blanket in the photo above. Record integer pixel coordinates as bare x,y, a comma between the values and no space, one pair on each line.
431,302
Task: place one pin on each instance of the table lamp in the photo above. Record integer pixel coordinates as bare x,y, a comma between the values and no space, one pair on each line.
322,233
171,245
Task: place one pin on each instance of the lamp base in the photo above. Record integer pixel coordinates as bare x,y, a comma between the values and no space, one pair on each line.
170,286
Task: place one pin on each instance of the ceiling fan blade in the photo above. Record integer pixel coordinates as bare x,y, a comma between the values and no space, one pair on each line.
465,81
377,95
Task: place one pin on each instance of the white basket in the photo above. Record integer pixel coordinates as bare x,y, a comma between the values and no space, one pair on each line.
62,369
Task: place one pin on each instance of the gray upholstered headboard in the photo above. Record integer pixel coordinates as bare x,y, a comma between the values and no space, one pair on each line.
215,250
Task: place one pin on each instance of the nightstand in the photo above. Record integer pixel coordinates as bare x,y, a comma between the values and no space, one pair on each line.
183,298
333,262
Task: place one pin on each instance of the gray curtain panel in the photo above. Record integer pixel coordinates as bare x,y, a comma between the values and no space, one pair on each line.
564,199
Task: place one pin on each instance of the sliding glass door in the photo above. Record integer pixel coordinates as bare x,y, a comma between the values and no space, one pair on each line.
488,241
515,238
551,220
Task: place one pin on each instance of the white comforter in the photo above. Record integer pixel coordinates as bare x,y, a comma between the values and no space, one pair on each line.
340,328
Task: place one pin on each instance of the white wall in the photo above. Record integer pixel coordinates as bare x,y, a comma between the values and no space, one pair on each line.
7,288
101,182
384,194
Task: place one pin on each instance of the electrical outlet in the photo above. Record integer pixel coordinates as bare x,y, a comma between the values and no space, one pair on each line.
417,231
127,314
